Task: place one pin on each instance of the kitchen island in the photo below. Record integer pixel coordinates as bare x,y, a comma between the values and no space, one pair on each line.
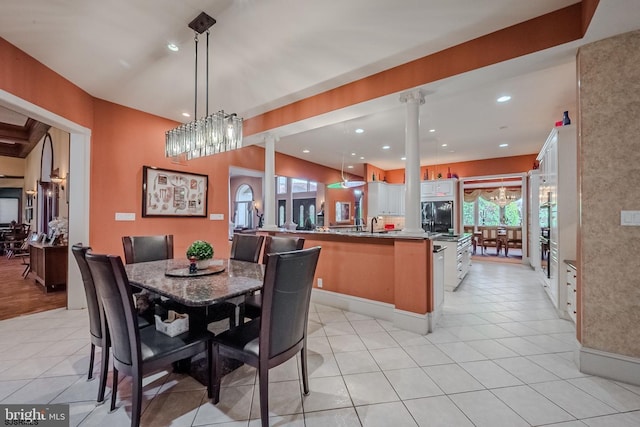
384,275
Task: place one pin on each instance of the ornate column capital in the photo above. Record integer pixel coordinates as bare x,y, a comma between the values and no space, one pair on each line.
416,96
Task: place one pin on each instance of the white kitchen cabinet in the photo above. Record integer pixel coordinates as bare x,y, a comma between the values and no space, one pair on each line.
437,189
572,291
385,199
558,189
457,258
438,287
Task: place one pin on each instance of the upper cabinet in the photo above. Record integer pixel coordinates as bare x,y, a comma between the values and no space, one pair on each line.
441,188
385,199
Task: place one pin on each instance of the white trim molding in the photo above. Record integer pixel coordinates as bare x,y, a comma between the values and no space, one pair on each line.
609,365
418,323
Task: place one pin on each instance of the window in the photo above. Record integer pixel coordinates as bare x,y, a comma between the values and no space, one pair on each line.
244,207
489,212
299,185
513,213
303,186
281,185
9,210
468,213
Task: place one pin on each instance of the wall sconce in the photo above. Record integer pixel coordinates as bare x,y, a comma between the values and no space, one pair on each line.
57,179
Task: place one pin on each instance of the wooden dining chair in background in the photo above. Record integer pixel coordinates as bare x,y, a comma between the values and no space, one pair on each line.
272,244
138,351
246,247
280,332
147,248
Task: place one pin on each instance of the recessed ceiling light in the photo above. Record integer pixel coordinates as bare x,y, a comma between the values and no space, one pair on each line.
504,98
432,130
173,47
444,145
186,114
385,147
359,130
361,157
350,167
403,158
353,154
503,145
305,151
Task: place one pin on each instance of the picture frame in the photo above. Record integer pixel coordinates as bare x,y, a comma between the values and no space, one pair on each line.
170,193
343,212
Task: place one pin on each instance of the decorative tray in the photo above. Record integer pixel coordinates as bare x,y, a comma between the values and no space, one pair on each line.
184,272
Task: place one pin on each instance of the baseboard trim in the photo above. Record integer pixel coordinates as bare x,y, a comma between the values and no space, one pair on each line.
418,323
609,365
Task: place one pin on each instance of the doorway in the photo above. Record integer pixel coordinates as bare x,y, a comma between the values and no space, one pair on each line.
78,183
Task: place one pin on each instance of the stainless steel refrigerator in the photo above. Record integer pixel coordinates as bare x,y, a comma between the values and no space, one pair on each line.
437,216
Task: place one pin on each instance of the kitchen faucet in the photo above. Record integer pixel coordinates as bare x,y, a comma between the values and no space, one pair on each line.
374,219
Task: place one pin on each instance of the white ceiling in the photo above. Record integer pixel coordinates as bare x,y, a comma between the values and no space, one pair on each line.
269,53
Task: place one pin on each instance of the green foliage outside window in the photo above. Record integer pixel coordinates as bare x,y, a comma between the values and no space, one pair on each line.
468,213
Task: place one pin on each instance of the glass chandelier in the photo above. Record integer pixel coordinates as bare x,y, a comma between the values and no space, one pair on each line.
502,199
212,134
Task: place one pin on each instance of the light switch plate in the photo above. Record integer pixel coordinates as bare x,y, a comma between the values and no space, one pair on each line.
216,217
125,216
630,218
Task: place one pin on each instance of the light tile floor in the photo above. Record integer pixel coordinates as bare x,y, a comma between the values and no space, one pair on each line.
499,357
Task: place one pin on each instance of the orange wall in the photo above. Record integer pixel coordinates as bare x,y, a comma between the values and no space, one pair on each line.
497,166
26,78
118,154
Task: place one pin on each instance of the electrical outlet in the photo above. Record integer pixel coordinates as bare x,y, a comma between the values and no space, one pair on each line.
319,282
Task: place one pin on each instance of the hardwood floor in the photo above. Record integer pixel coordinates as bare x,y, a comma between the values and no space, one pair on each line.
19,296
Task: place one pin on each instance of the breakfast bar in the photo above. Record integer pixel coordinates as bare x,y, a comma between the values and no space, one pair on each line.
382,275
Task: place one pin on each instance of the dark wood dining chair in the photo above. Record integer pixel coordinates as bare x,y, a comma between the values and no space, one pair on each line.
138,351
272,244
147,248
97,326
281,331
246,247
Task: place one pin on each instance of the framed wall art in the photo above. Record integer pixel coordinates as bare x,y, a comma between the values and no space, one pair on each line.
173,193
343,212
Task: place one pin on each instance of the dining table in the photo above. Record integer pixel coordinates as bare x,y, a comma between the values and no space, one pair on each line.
223,279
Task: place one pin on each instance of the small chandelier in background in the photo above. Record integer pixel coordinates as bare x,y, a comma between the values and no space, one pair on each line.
502,199
212,134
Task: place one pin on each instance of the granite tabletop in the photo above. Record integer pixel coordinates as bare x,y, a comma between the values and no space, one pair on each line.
238,278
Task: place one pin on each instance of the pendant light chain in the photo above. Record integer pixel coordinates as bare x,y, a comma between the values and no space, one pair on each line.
195,89
210,134
207,75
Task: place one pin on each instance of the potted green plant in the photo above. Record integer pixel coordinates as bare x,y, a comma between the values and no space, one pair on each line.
201,252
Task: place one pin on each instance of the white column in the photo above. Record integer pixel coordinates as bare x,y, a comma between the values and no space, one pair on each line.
412,220
290,224
269,207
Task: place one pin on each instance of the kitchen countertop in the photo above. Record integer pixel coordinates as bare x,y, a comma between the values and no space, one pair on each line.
383,234
455,238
